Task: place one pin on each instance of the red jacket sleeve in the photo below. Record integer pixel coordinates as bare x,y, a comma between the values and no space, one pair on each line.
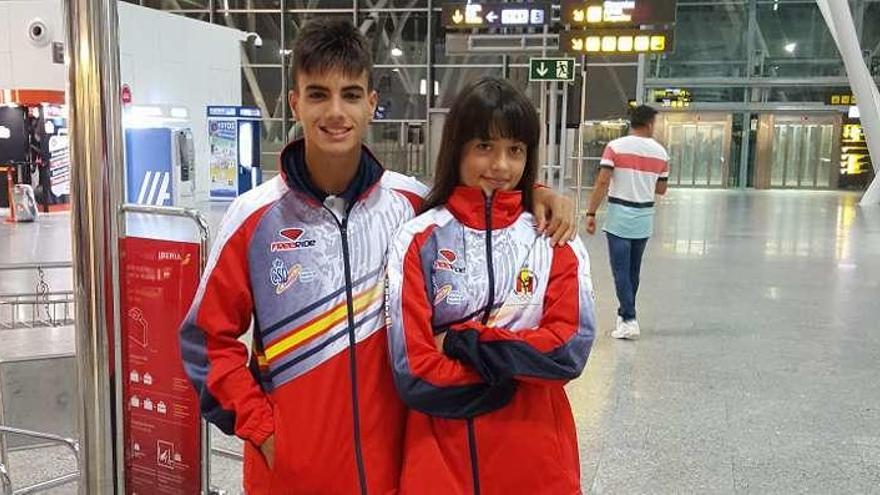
426,379
555,350
215,360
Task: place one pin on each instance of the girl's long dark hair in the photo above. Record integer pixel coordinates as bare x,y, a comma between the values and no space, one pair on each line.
488,108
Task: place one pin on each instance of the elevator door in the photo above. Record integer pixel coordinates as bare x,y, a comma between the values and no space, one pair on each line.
698,144
802,155
797,151
696,155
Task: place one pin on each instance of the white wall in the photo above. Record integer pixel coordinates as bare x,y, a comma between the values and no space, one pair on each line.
22,64
165,58
169,59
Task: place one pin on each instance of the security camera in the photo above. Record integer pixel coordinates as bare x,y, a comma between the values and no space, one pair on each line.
257,40
38,32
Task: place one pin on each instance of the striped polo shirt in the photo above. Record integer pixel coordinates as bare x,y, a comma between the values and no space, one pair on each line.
637,164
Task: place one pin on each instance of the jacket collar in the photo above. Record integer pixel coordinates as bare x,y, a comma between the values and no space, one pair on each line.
468,205
296,174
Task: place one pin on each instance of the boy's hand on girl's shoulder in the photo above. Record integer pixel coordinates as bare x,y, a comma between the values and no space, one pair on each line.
554,215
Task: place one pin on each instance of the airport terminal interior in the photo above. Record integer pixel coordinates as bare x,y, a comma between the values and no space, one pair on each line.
755,371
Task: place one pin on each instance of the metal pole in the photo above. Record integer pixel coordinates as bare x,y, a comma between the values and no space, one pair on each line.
95,129
563,141
581,130
429,95
640,80
551,142
543,156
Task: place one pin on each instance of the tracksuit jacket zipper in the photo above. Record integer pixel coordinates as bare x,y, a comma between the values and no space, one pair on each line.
472,436
352,341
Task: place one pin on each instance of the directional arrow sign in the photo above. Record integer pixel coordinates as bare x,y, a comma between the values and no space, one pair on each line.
551,69
476,15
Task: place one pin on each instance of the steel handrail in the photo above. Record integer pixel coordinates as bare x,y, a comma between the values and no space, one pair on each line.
70,443
5,481
33,265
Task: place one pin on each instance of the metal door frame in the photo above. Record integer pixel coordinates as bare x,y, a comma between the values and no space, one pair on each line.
767,123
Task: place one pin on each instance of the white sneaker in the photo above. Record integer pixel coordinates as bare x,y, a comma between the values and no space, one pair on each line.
626,330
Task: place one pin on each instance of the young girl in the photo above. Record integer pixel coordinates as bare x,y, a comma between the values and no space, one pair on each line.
488,320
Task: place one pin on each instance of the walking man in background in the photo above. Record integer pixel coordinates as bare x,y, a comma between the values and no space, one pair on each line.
633,170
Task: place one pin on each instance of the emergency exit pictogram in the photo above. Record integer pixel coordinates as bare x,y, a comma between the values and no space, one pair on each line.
551,69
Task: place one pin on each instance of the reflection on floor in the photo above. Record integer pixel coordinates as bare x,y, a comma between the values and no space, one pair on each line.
756,371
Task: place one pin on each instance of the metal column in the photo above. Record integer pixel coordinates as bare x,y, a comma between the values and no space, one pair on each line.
640,79
840,23
579,177
552,149
563,139
97,159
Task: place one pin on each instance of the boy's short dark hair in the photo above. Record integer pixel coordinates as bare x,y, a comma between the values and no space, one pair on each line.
641,116
325,44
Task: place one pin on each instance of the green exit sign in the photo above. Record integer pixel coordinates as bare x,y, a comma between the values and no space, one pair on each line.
551,69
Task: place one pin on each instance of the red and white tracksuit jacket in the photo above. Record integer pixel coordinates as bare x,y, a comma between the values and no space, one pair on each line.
310,278
489,413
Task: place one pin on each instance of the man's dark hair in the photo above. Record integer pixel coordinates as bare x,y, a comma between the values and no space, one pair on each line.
488,108
641,116
325,44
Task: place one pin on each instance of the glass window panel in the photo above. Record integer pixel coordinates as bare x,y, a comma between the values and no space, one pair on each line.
318,4
826,167
675,152
394,4
793,160
223,5
261,88
710,40
703,155
399,146
402,92
688,155
396,37
439,54
451,80
810,158
716,166
798,42
175,4
777,170
871,29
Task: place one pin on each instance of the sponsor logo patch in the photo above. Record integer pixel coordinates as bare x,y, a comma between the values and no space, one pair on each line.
448,294
292,238
525,283
446,260
283,278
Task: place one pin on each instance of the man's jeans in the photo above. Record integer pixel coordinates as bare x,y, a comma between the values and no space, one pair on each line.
626,262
